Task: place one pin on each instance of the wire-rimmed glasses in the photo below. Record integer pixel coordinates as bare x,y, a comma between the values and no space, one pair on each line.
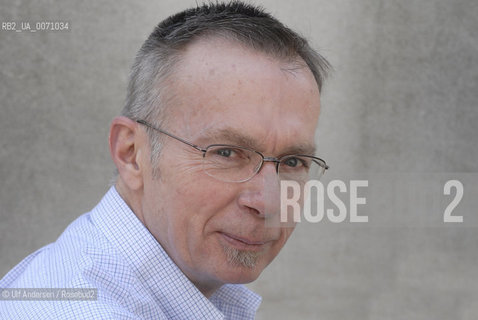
239,164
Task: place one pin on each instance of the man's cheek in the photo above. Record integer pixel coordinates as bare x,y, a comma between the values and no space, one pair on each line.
206,192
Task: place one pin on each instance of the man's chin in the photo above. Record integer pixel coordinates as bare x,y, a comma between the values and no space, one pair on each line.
241,275
237,273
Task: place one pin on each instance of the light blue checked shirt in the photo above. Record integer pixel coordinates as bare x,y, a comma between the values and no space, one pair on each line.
111,250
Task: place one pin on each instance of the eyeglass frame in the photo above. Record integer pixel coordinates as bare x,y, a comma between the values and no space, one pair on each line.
277,161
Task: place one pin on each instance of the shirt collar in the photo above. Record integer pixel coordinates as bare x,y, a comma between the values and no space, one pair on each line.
155,269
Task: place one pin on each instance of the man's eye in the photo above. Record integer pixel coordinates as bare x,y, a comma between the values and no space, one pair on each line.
225,152
296,163
292,162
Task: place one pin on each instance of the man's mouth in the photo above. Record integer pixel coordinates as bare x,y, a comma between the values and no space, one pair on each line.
243,243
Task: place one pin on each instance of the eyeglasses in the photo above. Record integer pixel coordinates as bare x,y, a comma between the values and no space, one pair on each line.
239,164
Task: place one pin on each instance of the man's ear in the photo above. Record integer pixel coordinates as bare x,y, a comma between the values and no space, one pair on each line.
127,143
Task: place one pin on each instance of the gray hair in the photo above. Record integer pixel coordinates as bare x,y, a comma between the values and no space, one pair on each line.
243,23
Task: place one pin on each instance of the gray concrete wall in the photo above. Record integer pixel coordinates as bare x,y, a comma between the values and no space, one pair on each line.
403,98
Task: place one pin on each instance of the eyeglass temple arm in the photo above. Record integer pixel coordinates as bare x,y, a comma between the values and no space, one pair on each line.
325,166
170,135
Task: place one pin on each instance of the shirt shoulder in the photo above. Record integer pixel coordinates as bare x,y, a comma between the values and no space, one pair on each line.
81,258
59,263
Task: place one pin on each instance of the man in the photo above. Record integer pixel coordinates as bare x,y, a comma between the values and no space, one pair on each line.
222,104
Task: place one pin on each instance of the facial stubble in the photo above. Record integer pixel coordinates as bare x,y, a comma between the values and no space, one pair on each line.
241,258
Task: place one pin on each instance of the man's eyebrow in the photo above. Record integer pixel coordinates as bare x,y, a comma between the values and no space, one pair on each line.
301,148
231,136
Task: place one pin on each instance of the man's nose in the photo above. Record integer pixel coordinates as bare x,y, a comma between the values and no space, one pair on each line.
261,193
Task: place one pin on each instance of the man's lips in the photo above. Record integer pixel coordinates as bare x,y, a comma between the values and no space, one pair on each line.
242,242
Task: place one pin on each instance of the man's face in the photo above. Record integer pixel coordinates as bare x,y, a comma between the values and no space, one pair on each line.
222,93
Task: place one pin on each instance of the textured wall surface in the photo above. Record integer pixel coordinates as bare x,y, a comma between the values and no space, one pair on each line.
403,99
